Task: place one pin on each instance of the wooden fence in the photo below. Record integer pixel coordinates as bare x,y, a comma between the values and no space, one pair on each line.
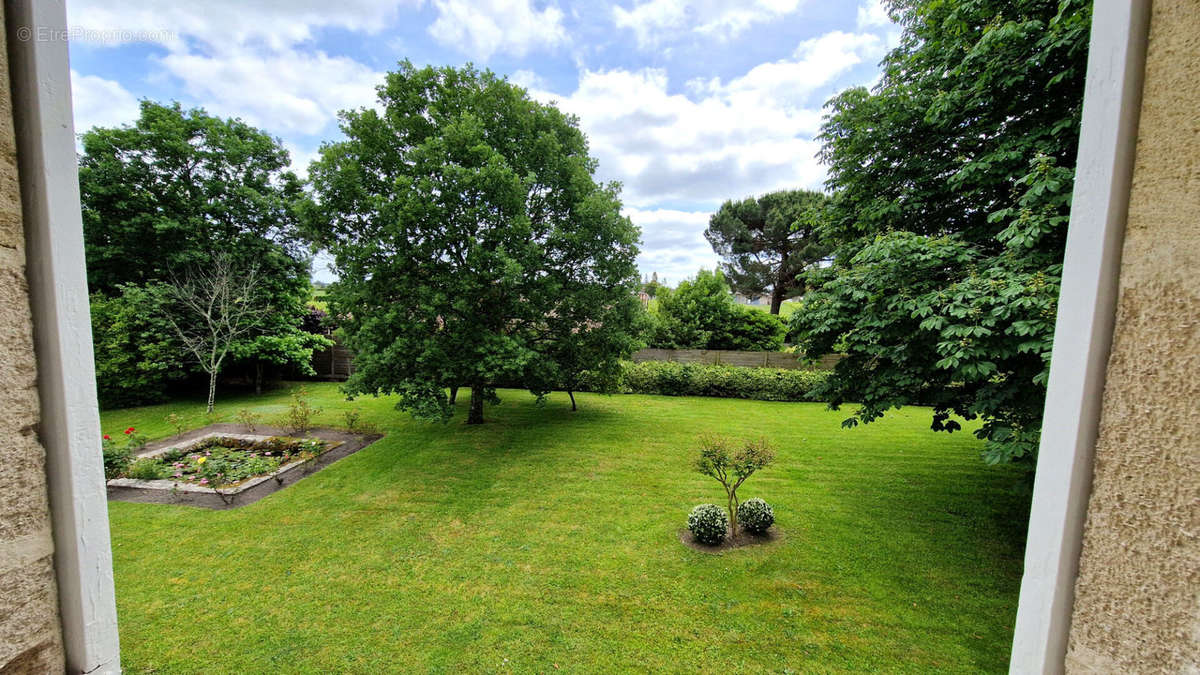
724,357
337,362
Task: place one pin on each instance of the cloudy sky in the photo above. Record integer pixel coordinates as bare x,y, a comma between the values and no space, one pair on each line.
686,102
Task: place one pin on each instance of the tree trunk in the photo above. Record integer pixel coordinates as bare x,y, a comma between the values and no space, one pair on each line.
475,416
732,516
776,299
453,395
258,377
572,395
212,388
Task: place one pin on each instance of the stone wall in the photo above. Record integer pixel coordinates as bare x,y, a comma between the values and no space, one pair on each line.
1137,602
30,640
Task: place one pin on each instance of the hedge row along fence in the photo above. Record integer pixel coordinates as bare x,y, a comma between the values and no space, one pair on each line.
665,378
679,372
722,357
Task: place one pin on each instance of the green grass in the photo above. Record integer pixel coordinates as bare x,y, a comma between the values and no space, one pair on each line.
546,541
320,299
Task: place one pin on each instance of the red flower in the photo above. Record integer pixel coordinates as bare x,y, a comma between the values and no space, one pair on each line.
129,431
107,437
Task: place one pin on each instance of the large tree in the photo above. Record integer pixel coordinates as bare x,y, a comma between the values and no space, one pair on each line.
179,188
769,242
470,240
952,182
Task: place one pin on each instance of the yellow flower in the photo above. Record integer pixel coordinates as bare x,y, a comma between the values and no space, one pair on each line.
202,460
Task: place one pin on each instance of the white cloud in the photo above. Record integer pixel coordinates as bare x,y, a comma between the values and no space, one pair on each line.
482,28
673,243
268,23
750,135
654,21
281,91
100,102
873,14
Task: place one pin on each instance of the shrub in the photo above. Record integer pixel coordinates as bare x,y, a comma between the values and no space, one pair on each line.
687,379
116,457
701,314
755,515
177,423
731,468
352,417
249,419
300,413
146,468
708,523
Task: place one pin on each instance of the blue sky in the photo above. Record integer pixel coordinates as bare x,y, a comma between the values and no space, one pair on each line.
686,102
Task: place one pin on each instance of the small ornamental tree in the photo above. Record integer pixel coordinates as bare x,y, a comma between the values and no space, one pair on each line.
216,307
731,468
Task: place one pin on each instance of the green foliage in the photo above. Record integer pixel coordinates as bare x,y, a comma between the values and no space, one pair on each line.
147,468
248,418
177,423
119,454
117,457
175,190
755,515
952,183
708,524
688,379
472,243
300,412
702,314
136,351
731,468
225,461
769,242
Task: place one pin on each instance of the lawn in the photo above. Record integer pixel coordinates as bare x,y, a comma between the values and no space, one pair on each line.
547,541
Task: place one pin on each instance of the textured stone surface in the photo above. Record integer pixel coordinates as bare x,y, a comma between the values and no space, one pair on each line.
30,640
1137,603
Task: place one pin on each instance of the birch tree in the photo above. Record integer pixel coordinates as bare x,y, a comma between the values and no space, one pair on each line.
217,306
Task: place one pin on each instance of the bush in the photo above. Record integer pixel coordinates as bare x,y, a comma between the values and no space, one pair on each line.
146,468
300,413
755,515
708,523
701,314
116,458
687,379
248,419
137,353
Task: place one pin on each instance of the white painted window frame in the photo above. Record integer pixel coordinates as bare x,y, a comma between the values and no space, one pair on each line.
1082,334
70,421
70,426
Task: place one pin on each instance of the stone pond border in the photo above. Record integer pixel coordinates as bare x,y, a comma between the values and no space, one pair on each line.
186,494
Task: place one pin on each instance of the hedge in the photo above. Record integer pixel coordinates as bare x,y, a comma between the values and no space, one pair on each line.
688,379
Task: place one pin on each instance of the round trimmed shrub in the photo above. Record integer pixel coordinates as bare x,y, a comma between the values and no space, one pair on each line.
755,515
708,523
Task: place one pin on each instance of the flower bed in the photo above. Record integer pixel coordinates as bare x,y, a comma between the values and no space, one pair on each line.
225,461
222,466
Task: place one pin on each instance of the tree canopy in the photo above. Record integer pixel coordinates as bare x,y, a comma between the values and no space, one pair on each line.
952,181
171,192
768,242
701,314
472,244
